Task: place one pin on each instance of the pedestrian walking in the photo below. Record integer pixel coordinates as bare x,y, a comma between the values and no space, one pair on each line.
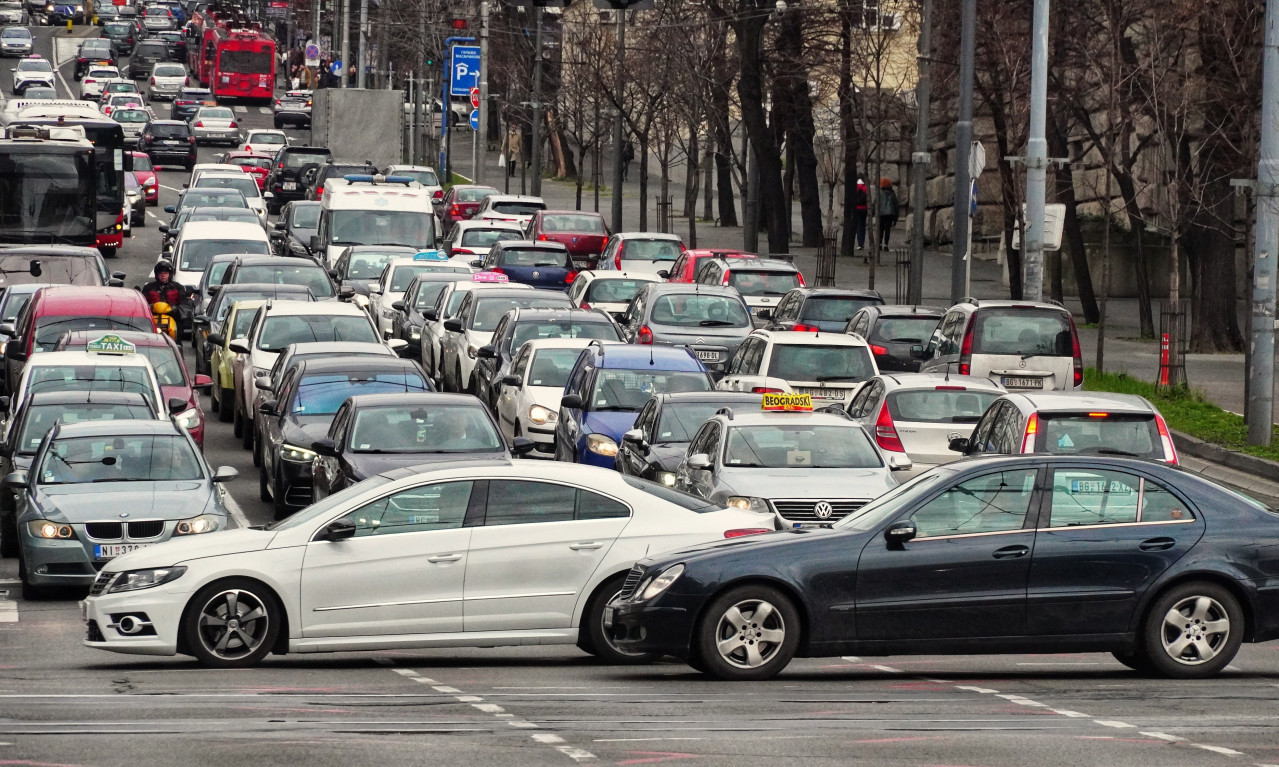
859,214
513,147
628,155
889,209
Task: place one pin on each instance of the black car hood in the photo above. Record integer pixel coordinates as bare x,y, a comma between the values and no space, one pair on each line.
302,431
667,455
364,465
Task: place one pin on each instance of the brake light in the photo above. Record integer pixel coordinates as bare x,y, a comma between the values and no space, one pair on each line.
461,252
645,335
190,139
585,306
497,270
886,431
802,328
438,194
800,277
187,81
966,350
1170,451
568,278
456,211
617,259
880,350
765,390
950,388
1032,428
726,278
1077,354
199,125
1099,415
542,237
744,531
233,125
153,81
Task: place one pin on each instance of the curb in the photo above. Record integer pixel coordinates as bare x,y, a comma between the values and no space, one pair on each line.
1234,459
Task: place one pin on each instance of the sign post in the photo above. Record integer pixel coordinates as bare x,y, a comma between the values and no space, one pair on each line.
312,55
461,74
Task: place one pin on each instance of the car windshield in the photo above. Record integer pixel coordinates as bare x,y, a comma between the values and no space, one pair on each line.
528,331
889,504
518,208
411,228
141,162
761,283
605,291
305,217
169,70
280,331
324,393
247,186
799,446
367,265
34,65
196,254
575,222
691,310
1134,434
456,429
484,238
535,257
678,421
15,32
1024,332
129,458
489,310
903,330
628,390
429,294
50,329
310,276
474,195
550,367
834,309
169,131
651,250
244,216
944,404
41,418
77,270
818,362
124,378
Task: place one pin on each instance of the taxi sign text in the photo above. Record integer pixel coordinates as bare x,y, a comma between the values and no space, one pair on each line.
111,344
430,255
489,277
788,402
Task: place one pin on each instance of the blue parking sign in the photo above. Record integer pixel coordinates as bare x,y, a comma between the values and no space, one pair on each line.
464,70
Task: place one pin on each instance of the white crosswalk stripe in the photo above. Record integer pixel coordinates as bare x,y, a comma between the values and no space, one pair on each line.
265,110
242,109
8,608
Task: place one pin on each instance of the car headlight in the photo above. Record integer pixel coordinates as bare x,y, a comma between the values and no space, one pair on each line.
655,586
205,523
389,314
135,580
79,9
149,182
749,503
296,454
259,372
666,478
415,334
43,528
601,445
539,414
189,418
48,8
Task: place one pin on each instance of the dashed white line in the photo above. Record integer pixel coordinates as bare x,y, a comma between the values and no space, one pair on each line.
8,608
242,109
1069,713
1116,725
889,669
1218,749
1162,736
265,110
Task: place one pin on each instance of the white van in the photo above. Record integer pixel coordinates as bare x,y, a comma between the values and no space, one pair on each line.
370,210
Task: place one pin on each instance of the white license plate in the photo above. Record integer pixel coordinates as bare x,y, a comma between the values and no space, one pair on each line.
708,356
823,393
168,142
1087,486
608,616
290,185
112,550
1023,383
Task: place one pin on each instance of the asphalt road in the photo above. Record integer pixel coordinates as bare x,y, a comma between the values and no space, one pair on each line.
62,704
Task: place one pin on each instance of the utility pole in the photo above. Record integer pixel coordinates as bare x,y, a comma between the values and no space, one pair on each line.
362,58
922,156
414,99
535,187
618,93
963,149
1261,376
1036,158
345,52
423,94
482,134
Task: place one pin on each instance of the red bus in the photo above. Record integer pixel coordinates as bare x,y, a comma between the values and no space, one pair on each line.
239,64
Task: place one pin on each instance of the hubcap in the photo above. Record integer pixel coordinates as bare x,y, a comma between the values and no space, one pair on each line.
1195,630
233,624
750,633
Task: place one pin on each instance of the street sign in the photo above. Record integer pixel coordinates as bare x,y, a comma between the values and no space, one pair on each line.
1054,226
475,98
977,160
336,68
475,119
312,55
464,69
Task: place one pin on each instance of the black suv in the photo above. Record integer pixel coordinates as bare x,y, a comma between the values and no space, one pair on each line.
168,142
284,182
315,182
93,52
122,33
146,56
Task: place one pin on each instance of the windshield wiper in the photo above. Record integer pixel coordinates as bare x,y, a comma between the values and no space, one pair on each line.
117,479
716,323
1108,451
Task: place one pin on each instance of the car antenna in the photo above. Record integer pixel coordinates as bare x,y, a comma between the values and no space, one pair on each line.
650,355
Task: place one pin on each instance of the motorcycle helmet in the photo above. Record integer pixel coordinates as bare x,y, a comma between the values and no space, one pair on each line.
163,266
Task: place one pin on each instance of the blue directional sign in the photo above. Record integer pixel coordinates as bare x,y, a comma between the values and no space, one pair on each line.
475,119
464,70
337,67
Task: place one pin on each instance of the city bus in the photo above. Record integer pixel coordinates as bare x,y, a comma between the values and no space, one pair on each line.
47,187
238,63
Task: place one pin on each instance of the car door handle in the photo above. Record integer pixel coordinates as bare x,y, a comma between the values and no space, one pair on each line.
1157,544
437,558
586,545
1011,552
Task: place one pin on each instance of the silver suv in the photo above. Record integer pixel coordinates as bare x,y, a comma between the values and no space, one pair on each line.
1021,345
711,320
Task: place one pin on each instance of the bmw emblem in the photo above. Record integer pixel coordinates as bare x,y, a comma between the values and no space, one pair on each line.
823,510
536,275
124,514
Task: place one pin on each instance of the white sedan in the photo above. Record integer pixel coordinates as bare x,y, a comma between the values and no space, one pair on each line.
511,553
95,80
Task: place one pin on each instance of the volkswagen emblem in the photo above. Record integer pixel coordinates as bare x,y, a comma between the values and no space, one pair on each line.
823,510
536,275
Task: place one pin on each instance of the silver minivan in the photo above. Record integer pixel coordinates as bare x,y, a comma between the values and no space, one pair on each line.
712,320
1020,345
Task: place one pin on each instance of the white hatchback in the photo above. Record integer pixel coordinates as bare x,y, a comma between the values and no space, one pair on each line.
829,366
528,402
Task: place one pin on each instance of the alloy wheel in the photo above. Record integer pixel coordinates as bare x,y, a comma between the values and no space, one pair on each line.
750,633
1195,630
233,624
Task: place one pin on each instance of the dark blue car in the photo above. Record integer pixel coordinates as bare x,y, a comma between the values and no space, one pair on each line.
540,264
1165,570
606,389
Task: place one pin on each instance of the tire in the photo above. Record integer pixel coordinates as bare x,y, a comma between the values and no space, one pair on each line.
226,410
107,252
595,640
279,125
1135,661
204,625
264,492
9,535
257,451
273,210
1202,640
248,435
752,657
282,509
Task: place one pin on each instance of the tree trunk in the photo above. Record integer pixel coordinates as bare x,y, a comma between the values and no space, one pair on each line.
1210,252
692,176
1128,191
848,135
750,92
723,152
1064,180
1011,203
643,185
801,157
788,186
708,181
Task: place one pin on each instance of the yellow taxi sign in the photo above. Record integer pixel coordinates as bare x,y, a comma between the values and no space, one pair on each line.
788,402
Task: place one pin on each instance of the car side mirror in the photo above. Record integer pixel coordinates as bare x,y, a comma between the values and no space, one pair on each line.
225,474
325,446
4,447
396,344
346,293
315,242
333,273
917,351
162,228
239,346
9,329
397,306
511,379
168,209
267,408
176,405
115,282
522,446
200,319
279,225
213,290
338,530
430,315
216,339
486,352
636,438
15,479
271,196
453,326
899,462
571,401
900,532
959,444
477,264
201,381
664,274
699,462
263,383
764,314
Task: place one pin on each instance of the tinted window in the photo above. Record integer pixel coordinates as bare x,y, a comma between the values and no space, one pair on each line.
523,502
689,310
41,418
628,390
1023,331
987,504
415,510
312,277
168,130
423,430
279,331
750,283
651,250
324,393
305,217
613,291
196,254
799,446
939,406
1135,435
295,160
528,331
551,367
518,208
473,195
573,223
484,238
532,257
679,421
815,362
913,330
132,458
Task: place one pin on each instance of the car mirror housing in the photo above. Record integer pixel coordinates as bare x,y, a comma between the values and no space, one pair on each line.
477,264
899,462
699,462
486,352
325,446
511,380
201,381
522,446
571,401
664,274
430,315
959,444
239,346
16,479
338,530
900,532
225,474
176,405
397,306
453,326
262,383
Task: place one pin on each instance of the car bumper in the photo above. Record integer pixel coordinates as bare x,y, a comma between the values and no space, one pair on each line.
649,628
288,195
544,441
56,563
24,84
181,153
160,607
14,50
160,90
295,483
216,134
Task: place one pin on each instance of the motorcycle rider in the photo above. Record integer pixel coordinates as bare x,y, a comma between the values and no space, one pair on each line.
163,288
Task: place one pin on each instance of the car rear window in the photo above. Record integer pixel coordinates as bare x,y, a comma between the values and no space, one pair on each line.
311,276
169,70
820,362
904,330
196,254
169,131
295,160
651,250
1031,331
834,308
690,310
573,223
761,283
518,208
473,195
116,28
528,331
535,257
1134,434
613,291
484,238
157,50
941,405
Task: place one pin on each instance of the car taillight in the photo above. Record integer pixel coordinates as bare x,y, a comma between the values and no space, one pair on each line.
1032,428
456,211
617,260
800,277
802,328
886,431
1078,355
187,81
744,531
233,124
765,390
190,139
438,194
880,350
727,275
568,278
543,237
199,124
153,81
497,270
966,350
585,306
1170,451
280,166
645,335
461,252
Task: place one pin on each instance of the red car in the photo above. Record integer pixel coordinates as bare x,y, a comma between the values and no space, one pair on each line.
255,164
583,233
460,203
170,370
686,265
145,171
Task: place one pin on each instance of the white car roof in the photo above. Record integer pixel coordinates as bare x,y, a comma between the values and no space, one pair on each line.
804,337
327,308
263,131
538,344
515,198
484,223
463,285
591,276
899,381
222,230
757,417
54,359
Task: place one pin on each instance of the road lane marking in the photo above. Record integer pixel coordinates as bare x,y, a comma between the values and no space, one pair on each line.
241,109
1162,736
889,669
1116,725
1218,749
8,608
265,110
